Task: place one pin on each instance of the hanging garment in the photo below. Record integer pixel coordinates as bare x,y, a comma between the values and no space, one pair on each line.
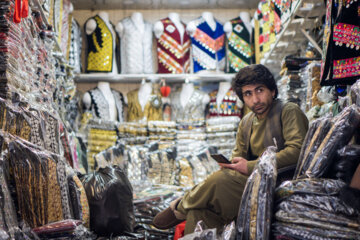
74,50
239,46
341,43
100,107
173,50
208,46
152,110
100,50
228,106
194,110
136,47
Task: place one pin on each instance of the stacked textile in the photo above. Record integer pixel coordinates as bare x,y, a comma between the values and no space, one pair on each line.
221,133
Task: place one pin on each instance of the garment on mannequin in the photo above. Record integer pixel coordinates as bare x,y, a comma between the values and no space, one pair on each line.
105,103
101,38
239,42
188,104
141,110
136,44
173,45
208,43
224,102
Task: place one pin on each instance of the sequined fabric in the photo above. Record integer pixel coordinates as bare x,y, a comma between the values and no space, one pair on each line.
151,111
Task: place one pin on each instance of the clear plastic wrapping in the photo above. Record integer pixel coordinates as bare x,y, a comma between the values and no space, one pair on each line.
345,168
255,212
355,93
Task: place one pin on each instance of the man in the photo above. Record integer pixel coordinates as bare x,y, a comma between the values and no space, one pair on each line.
216,200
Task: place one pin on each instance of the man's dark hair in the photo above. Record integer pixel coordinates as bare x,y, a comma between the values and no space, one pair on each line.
253,74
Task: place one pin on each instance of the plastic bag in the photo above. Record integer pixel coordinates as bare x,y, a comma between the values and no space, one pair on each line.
338,136
109,193
229,231
255,212
349,160
355,93
201,232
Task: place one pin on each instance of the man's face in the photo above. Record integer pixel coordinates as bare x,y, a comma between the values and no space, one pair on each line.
258,98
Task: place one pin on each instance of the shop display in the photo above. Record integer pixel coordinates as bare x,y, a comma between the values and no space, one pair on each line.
208,43
311,76
136,44
239,53
224,102
74,50
341,48
173,45
255,212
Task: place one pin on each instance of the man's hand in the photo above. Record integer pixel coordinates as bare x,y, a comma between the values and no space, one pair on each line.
238,164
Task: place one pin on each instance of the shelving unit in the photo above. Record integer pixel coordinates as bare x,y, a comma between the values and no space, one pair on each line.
305,16
137,78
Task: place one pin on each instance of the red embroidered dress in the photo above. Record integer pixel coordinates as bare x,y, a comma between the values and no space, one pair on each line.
227,107
341,43
173,54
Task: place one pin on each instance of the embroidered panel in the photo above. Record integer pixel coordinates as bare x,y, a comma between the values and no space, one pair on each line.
347,35
346,68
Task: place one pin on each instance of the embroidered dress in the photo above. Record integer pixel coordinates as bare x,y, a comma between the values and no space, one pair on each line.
341,43
208,46
100,107
152,110
239,46
228,106
173,50
136,48
100,48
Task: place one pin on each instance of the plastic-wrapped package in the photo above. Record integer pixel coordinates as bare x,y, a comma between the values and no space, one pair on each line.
185,171
229,232
320,186
137,168
338,136
255,212
201,232
349,160
114,155
110,198
355,93
77,198
314,137
167,158
297,231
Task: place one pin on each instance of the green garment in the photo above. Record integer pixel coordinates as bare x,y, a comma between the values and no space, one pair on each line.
216,200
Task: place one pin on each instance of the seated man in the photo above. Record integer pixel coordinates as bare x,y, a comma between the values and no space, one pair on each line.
216,200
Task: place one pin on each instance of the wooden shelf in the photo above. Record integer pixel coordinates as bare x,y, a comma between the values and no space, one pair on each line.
137,78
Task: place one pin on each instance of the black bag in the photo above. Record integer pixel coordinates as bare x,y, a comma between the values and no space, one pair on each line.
110,197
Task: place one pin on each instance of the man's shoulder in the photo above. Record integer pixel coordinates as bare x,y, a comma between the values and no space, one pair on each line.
291,108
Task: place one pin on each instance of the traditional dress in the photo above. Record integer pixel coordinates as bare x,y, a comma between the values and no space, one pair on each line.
136,48
208,46
152,110
228,105
341,43
239,46
173,50
100,52
100,108
216,200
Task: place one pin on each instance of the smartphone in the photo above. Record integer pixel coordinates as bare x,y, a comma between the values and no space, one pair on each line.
220,158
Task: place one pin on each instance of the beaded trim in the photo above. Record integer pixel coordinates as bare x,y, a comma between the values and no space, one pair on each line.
347,34
213,45
173,46
345,68
169,62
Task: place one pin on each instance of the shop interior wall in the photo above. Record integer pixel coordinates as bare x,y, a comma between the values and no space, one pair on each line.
152,15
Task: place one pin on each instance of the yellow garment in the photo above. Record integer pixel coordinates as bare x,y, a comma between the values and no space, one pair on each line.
294,127
135,112
100,59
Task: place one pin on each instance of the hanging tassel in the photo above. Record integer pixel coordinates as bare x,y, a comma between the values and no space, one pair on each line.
17,11
25,8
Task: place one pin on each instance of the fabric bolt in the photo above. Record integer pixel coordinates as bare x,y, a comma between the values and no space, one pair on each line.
100,108
136,48
228,106
194,110
152,110
208,46
239,46
100,50
173,50
341,48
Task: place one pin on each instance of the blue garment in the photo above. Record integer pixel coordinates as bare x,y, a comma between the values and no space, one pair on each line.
208,46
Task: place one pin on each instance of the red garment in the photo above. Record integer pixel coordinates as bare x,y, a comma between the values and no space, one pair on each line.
173,55
179,230
17,11
25,9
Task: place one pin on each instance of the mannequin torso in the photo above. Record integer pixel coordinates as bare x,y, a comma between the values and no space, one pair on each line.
185,94
245,17
208,17
144,93
175,18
